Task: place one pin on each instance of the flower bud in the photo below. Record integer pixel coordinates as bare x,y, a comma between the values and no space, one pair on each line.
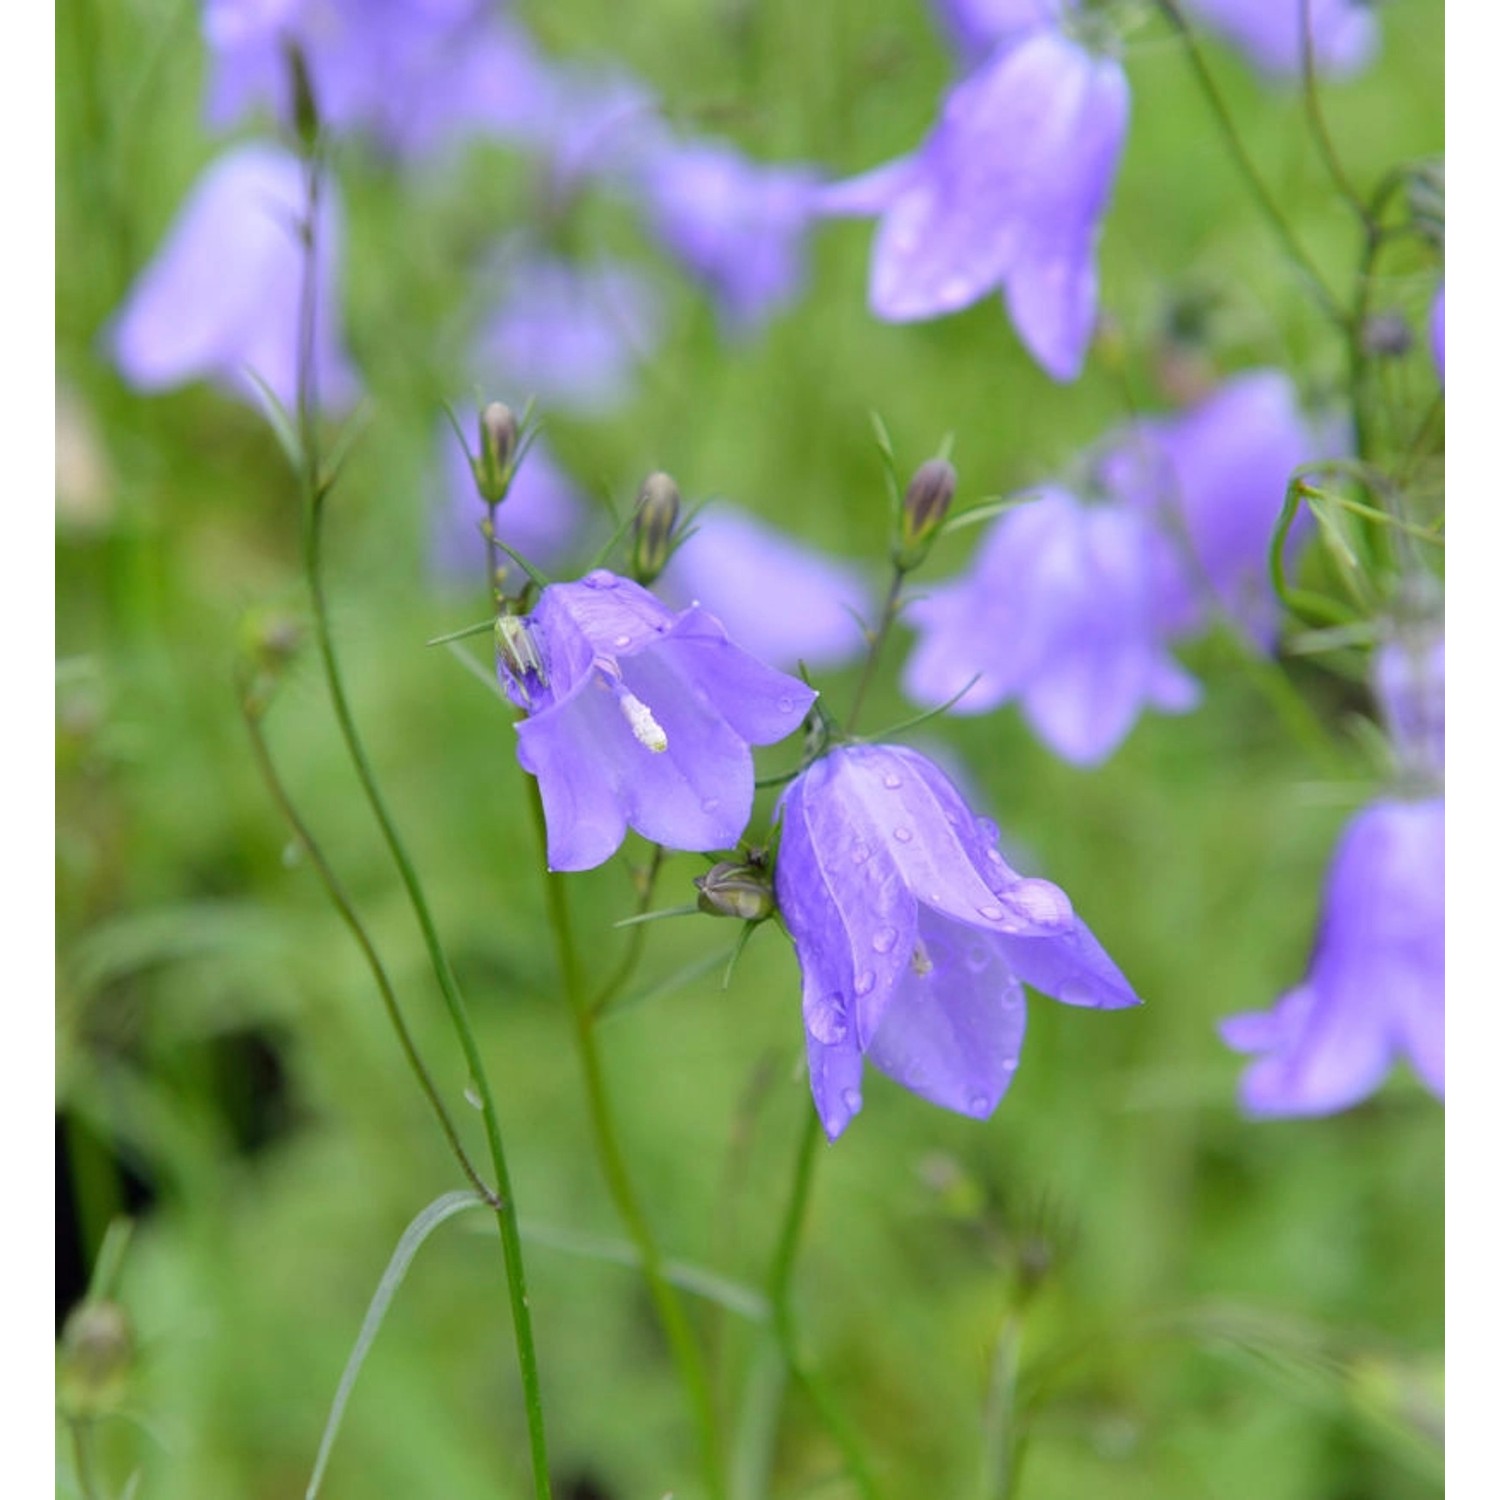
657,508
94,1358
731,890
516,647
928,497
494,468
1386,335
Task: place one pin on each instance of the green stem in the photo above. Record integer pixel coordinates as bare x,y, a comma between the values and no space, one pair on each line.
888,612
1318,123
1002,1453
344,905
779,1295
315,492
83,1468
679,1332
1274,217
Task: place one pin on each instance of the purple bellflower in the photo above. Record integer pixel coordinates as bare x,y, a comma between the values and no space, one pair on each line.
541,517
1374,990
410,73
571,336
915,936
639,716
737,226
221,300
1214,478
1006,191
1058,610
1344,33
781,601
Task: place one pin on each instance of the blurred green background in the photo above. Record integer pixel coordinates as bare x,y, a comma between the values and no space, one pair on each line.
1228,1310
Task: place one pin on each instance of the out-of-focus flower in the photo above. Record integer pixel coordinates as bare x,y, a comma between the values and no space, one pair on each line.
640,716
1214,477
781,601
222,297
1058,610
540,517
411,73
1437,333
1407,675
914,935
1007,191
1374,990
571,336
1344,33
736,225
976,27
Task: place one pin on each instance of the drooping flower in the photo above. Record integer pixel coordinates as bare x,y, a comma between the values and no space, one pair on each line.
1006,192
1374,990
780,600
639,716
569,335
222,297
541,515
1058,610
915,936
736,225
1214,478
1345,35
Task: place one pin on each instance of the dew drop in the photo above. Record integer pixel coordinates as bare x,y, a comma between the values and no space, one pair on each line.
853,1101
825,1020
1078,992
992,913
977,959
785,705
884,940
709,804
1010,1064
1042,902
622,640
892,780
901,834
860,853
1010,997
979,1103
600,578
472,1095
864,983
291,855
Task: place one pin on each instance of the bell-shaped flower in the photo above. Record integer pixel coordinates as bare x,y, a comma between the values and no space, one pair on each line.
780,600
1006,191
1059,611
1374,991
1214,478
736,225
222,298
639,716
569,335
541,516
914,935
1273,35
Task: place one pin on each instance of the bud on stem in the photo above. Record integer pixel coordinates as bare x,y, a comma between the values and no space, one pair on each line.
495,467
923,510
731,890
657,509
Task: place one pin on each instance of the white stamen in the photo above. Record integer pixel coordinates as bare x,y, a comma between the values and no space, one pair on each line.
643,723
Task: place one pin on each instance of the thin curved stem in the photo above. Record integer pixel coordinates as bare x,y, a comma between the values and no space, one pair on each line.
1274,217
315,493
1318,123
783,1321
344,905
888,612
674,1321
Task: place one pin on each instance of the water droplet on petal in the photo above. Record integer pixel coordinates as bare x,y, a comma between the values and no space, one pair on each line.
901,834
884,940
785,705
979,1103
710,803
1078,992
1010,1064
601,579
892,780
1010,996
992,913
1042,902
860,853
622,640
853,1101
825,1020
864,983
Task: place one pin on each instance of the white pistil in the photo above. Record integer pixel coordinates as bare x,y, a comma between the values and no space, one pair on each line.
642,722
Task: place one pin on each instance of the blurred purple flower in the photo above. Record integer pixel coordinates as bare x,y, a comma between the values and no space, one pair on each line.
976,27
638,715
223,295
1437,333
540,517
1006,191
412,73
1271,33
571,336
1214,477
1407,675
736,225
1375,986
781,601
914,935
1058,609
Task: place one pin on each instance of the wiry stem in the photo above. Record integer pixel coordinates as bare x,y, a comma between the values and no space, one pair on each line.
878,637
315,492
679,1332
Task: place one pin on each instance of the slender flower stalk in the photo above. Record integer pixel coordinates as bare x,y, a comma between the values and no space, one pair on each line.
315,489
681,1338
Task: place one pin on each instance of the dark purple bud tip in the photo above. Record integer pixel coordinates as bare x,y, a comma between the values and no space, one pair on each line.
657,509
731,890
96,1351
928,497
494,468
